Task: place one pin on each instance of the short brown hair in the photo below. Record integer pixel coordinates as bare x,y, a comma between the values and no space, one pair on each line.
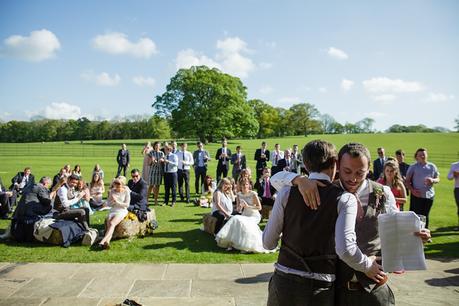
319,155
355,149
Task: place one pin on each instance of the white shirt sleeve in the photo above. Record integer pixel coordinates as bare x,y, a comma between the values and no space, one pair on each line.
62,194
345,237
282,179
391,206
273,229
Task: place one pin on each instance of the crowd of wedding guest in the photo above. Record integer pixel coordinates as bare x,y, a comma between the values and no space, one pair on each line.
71,197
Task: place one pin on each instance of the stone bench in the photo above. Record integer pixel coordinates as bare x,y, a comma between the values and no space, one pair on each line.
130,226
209,222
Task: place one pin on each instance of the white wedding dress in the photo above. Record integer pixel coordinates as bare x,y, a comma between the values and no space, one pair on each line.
242,231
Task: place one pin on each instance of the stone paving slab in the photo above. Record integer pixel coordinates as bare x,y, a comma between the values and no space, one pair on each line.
163,288
21,301
50,287
189,284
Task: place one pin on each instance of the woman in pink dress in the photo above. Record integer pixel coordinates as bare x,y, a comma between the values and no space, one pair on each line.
393,179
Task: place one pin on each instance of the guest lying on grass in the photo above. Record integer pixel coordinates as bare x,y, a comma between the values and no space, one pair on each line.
118,201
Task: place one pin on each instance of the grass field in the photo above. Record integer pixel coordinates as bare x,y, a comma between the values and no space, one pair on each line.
178,238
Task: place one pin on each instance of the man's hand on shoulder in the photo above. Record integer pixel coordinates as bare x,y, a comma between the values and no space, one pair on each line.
309,190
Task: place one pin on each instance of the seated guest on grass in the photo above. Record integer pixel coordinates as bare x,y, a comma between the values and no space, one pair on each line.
118,201
33,205
82,189
222,203
139,189
242,231
65,199
77,171
96,191
208,189
59,176
97,169
22,181
265,190
6,200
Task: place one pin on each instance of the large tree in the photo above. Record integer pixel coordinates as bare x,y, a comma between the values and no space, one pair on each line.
302,119
206,103
267,117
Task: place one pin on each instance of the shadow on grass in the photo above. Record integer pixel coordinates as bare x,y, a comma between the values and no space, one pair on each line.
197,221
442,250
443,282
194,240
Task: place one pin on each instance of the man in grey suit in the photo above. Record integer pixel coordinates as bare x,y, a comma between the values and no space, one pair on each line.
201,157
123,160
239,162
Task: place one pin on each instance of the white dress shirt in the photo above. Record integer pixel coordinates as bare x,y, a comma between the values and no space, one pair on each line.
185,160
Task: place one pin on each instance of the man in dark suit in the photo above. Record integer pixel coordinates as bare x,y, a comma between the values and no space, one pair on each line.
239,162
262,158
265,190
22,181
223,157
123,160
36,201
138,188
378,164
200,157
287,163
5,200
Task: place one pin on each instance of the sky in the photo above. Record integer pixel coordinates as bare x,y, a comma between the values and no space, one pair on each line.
393,61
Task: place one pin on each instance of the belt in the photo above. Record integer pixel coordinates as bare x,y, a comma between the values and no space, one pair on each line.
354,286
318,283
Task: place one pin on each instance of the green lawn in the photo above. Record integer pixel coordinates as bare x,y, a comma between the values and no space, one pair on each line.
178,238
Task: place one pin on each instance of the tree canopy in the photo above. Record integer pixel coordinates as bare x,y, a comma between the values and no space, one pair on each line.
206,103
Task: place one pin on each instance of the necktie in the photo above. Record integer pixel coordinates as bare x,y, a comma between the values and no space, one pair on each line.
183,160
267,189
360,212
277,157
167,164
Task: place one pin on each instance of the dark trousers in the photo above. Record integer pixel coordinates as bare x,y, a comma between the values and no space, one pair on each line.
421,206
220,220
80,214
267,201
184,177
199,173
121,167
379,296
5,206
456,196
288,289
170,184
221,170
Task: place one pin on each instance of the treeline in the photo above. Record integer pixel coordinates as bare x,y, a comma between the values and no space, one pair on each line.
84,129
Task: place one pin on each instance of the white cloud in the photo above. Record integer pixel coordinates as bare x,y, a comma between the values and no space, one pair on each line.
102,79
144,81
337,53
188,58
265,90
386,85
322,89
38,46
117,43
58,110
385,98
346,85
438,97
230,58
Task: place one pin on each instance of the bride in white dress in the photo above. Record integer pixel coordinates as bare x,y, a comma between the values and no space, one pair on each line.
242,231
